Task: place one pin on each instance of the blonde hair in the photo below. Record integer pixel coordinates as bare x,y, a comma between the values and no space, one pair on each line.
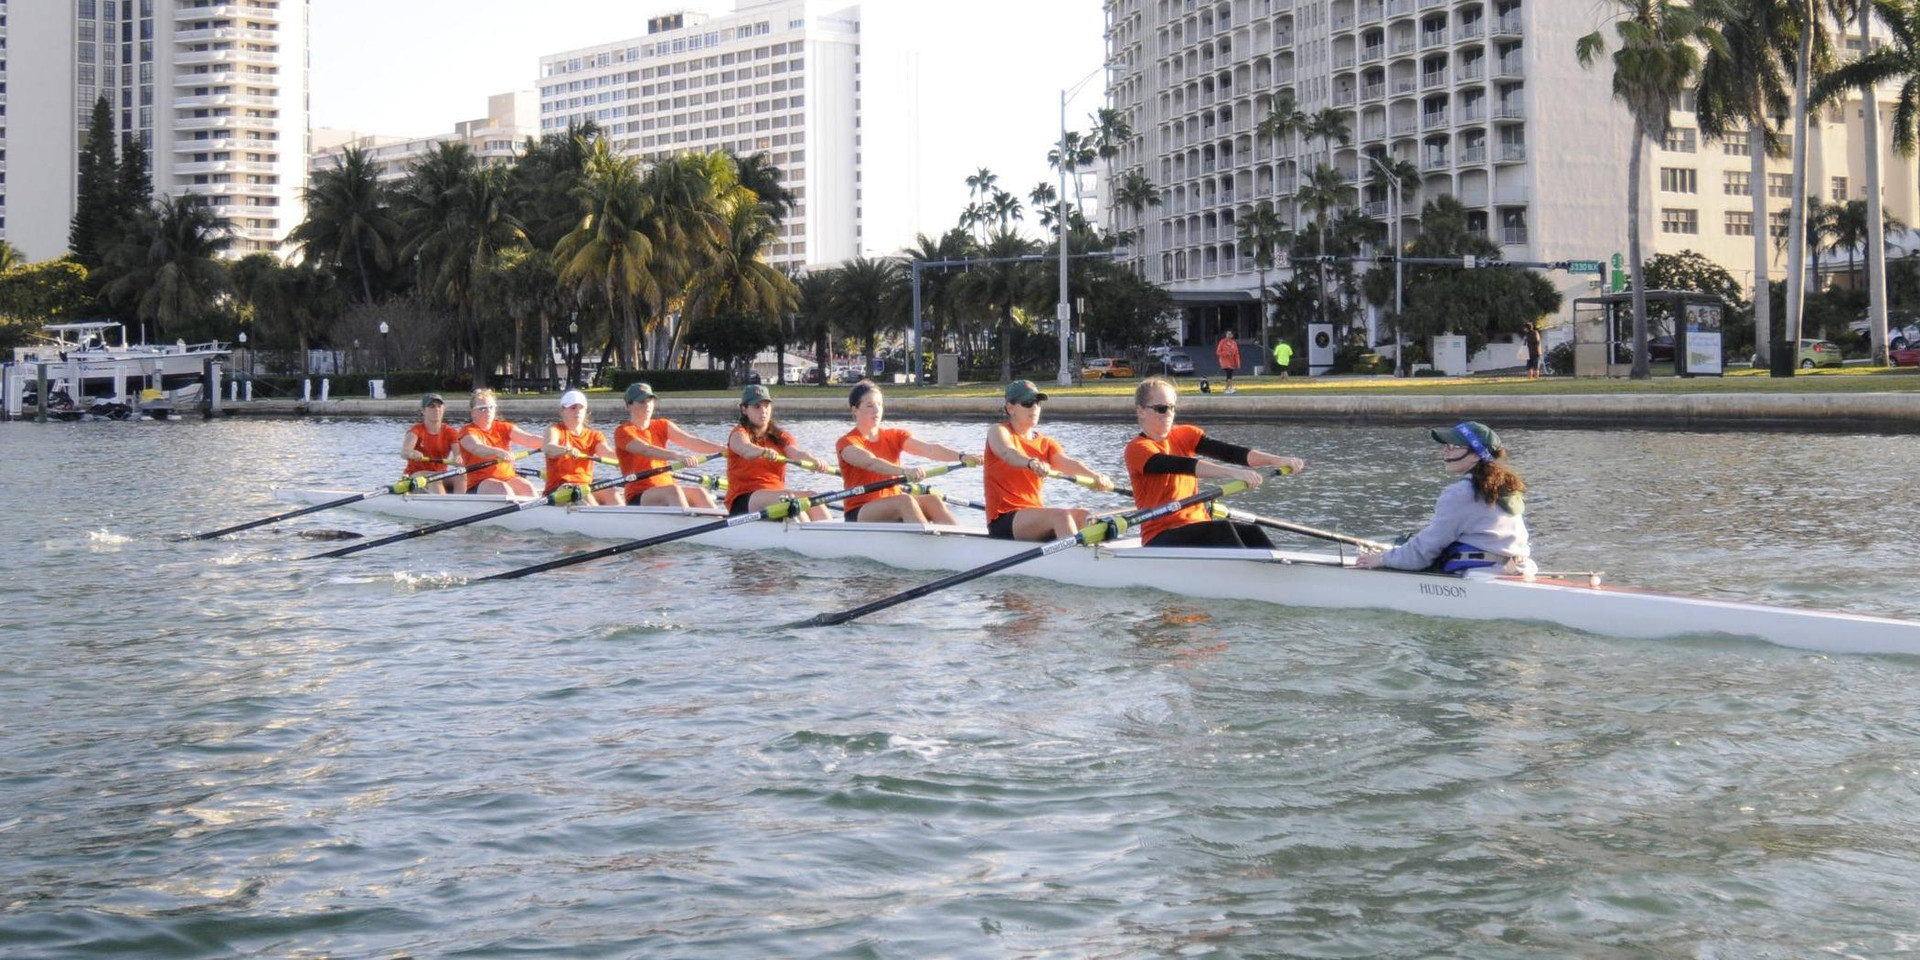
1141,392
482,395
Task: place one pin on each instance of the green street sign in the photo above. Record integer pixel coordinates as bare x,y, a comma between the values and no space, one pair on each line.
1619,280
1585,266
1619,261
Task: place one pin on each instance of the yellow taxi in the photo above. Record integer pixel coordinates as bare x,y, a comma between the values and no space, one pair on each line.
1105,368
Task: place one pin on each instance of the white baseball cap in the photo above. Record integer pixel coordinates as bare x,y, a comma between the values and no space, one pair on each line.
573,398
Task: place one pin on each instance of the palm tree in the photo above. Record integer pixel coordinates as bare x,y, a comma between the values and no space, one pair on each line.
460,255
756,172
1812,55
813,315
1134,194
1327,125
168,268
1046,200
866,300
1743,84
1897,62
980,183
1284,119
1852,230
607,250
1262,234
1821,232
349,226
10,257
548,174
1006,208
1110,135
690,196
1659,55
1325,190
736,281
938,288
999,287
1074,152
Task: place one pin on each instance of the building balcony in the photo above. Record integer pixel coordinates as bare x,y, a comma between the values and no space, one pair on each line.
1470,31
207,34
225,100
1512,153
1475,112
1433,121
1343,61
1432,4
188,58
1404,87
1375,208
1433,79
1344,97
1473,156
1433,160
1402,48
1372,12
1373,131
223,166
1513,236
1474,70
1282,75
1433,38
1399,8
1507,26
1373,52
1343,22
1511,108
1512,196
1373,91
1509,69
1404,126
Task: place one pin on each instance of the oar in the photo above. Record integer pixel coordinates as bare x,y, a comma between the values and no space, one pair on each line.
1256,519
563,494
1094,532
418,481
775,511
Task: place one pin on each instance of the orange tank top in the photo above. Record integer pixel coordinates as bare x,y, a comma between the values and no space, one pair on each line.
888,444
575,469
1013,487
433,446
752,474
1154,489
499,435
655,434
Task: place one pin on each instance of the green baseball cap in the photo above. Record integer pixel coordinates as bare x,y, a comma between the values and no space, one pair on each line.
754,393
431,399
1473,435
1021,391
638,392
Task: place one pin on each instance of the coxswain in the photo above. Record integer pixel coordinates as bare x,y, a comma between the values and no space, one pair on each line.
757,453
1018,461
428,446
1166,461
571,447
870,453
487,438
1478,521
642,444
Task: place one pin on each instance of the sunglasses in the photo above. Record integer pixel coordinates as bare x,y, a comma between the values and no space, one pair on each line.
487,407
1163,408
1029,404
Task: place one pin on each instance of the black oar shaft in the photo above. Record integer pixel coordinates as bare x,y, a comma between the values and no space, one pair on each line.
1306,531
343,501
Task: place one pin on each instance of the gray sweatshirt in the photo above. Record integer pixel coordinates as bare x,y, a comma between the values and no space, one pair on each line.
1458,516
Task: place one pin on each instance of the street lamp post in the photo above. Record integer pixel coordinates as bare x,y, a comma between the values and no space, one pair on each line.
573,333
386,358
1393,237
1063,311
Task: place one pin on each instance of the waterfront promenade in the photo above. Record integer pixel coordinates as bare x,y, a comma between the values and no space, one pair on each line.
1882,402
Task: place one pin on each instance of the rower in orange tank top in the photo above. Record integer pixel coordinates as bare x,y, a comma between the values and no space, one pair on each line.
571,447
1018,460
1166,461
870,453
429,445
642,445
486,438
756,472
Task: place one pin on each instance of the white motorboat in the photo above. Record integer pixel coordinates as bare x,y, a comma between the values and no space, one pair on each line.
91,369
1285,577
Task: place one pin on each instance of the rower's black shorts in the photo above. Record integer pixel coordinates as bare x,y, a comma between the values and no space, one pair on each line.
1001,527
1214,533
737,504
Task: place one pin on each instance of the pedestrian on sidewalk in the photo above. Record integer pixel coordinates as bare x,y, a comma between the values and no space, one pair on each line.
1228,352
1282,357
1532,339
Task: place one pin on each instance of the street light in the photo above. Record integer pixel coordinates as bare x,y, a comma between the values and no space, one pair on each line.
1393,237
386,358
243,346
1063,311
573,363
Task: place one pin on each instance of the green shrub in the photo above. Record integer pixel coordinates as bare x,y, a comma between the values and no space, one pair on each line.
1559,360
668,381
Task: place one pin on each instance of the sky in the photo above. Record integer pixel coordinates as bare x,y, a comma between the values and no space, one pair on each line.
990,75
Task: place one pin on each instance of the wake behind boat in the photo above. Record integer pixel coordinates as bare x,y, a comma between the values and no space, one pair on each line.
1284,577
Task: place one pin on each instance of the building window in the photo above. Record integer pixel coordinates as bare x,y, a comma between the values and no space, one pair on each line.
1839,189
1738,184
1780,185
1735,144
1739,224
1679,140
1777,223
1679,180
1675,220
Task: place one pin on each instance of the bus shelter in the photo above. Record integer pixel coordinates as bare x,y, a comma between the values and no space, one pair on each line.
1684,334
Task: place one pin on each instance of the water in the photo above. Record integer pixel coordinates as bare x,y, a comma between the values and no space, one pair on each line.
211,750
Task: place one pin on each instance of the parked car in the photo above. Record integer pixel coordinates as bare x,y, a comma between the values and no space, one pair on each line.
1901,332
811,376
1819,353
1178,364
1105,368
1905,356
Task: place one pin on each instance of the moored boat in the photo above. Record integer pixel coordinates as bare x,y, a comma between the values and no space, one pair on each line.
1285,577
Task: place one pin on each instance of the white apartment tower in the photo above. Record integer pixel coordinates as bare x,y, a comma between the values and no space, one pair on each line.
1484,97
216,91
779,77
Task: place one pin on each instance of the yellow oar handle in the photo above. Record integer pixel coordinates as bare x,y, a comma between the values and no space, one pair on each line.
826,468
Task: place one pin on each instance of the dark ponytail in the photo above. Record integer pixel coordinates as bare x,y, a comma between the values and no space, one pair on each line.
1496,483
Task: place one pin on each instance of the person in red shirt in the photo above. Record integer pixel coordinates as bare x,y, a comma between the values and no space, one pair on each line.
1018,459
485,438
1227,351
642,442
756,470
1166,461
870,453
428,446
571,448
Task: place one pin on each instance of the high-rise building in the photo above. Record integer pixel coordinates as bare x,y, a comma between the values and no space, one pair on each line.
216,90
780,77
1484,97
497,137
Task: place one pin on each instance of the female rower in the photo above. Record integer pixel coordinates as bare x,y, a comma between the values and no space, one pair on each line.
642,445
428,446
1477,522
1018,459
571,448
870,453
757,454
1165,463
485,438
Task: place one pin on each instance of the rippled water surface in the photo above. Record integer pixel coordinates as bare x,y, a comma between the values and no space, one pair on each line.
212,750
